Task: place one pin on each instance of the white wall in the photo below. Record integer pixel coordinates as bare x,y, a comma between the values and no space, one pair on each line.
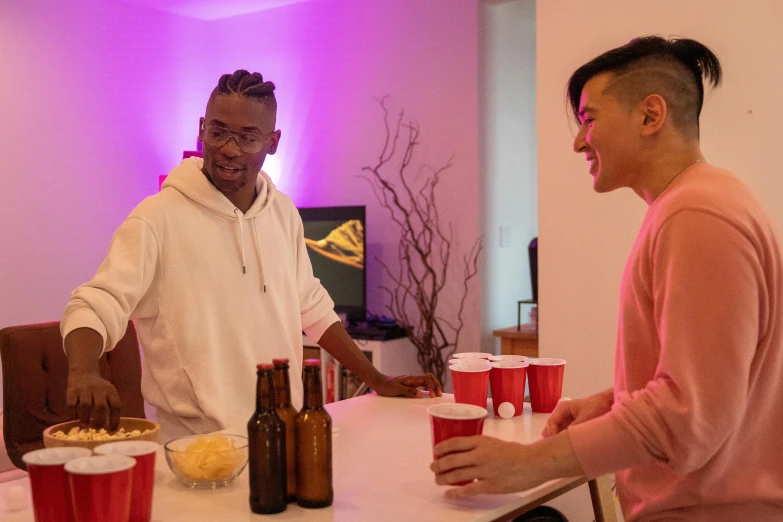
585,237
81,95
508,137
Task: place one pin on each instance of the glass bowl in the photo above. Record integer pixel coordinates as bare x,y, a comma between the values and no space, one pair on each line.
207,461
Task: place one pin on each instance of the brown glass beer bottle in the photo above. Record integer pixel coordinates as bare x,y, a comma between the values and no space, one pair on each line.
266,449
313,443
287,414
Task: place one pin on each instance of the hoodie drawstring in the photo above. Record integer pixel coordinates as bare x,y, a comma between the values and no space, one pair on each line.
258,253
255,242
241,239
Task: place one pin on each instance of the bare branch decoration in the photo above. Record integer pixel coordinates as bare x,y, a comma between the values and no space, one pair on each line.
425,248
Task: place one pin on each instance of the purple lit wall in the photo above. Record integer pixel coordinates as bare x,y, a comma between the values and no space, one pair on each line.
85,108
101,97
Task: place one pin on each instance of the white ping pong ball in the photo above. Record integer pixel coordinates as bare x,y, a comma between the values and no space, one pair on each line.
506,410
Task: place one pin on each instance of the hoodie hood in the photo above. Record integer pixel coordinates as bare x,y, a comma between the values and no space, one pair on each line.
188,179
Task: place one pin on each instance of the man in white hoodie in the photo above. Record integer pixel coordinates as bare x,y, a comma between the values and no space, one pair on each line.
215,273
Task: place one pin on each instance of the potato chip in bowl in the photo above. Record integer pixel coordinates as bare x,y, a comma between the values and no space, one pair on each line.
207,461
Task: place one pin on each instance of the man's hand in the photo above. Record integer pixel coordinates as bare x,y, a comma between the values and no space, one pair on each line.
89,397
499,466
407,386
577,411
93,400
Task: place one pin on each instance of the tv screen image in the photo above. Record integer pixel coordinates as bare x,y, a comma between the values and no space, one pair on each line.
344,243
335,238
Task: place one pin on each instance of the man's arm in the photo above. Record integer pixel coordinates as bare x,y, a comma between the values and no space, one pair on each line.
89,396
337,342
500,466
97,316
705,284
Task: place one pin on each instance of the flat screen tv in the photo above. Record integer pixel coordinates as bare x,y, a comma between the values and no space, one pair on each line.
335,238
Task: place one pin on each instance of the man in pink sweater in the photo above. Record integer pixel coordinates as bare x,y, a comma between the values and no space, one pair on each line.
694,424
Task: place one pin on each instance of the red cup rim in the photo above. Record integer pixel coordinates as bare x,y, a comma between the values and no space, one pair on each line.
470,367
472,355
130,448
509,358
54,456
473,412
509,365
100,465
546,361
466,361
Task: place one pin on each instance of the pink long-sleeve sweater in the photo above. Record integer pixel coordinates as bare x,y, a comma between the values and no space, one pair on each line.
696,429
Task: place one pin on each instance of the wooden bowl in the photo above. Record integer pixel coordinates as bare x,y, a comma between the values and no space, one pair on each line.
128,423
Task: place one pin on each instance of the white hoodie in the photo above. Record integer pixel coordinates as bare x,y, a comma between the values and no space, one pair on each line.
212,291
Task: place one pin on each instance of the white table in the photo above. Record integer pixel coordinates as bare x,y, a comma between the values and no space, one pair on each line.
381,458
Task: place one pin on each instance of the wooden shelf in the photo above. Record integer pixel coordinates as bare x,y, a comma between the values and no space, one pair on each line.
518,342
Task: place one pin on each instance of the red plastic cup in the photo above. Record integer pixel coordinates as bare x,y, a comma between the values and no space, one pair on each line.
507,379
545,383
471,381
49,482
143,473
455,420
101,488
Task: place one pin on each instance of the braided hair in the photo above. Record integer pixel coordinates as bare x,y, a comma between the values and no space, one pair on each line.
243,83
672,68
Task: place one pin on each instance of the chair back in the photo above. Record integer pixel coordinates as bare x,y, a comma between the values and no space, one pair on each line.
35,377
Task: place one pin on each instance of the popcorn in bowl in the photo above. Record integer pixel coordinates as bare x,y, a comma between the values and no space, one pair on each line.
74,434
92,434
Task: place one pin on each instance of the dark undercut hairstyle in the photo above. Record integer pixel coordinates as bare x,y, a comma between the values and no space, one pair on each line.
243,83
671,68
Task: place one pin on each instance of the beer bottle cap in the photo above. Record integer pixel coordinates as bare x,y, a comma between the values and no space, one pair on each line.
279,361
312,362
265,366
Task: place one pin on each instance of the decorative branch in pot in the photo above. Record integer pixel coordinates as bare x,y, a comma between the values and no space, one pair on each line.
416,291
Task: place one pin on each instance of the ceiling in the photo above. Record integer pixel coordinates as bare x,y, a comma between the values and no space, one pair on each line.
211,9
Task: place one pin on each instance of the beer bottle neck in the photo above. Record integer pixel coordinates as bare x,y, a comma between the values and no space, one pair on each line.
264,391
313,397
282,387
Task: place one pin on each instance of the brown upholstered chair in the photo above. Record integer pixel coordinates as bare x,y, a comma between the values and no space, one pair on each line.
35,376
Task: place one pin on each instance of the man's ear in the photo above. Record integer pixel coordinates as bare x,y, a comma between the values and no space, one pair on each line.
275,141
655,112
201,129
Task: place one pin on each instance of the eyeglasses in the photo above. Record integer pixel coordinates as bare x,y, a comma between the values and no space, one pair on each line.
250,142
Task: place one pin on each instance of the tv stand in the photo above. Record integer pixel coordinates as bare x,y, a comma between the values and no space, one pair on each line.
393,357
375,332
